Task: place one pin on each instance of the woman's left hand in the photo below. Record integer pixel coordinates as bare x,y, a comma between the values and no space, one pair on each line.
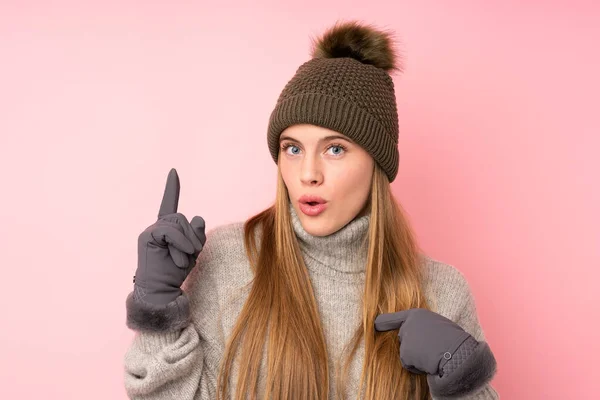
458,365
427,340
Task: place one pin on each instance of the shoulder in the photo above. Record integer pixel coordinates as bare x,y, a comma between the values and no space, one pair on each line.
446,288
441,276
222,264
218,279
226,239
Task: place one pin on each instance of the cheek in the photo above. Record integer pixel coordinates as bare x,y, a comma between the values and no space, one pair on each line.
351,183
286,171
356,182
287,175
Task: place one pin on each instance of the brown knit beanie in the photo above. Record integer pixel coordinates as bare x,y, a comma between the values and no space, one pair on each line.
345,87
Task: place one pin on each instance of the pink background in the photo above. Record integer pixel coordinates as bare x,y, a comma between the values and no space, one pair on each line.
499,165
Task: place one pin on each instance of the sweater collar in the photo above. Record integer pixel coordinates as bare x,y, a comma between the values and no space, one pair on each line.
339,254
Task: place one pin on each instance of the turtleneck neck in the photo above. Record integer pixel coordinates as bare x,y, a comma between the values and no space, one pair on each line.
341,254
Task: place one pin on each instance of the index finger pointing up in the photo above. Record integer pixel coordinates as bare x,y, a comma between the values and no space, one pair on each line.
170,199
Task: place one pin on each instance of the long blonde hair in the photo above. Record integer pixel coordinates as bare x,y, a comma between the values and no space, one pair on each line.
281,306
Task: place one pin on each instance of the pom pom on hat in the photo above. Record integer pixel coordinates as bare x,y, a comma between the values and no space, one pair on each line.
359,41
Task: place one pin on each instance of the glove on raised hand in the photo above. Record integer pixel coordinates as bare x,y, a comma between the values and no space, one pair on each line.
167,252
457,364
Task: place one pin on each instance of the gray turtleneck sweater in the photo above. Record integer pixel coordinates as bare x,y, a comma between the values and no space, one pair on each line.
183,365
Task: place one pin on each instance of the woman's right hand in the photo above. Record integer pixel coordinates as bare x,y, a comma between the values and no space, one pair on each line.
167,250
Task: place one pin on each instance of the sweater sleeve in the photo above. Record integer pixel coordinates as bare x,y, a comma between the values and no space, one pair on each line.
169,365
476,363
168,357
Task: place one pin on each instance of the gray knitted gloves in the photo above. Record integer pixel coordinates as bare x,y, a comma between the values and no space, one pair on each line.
430,343
167,252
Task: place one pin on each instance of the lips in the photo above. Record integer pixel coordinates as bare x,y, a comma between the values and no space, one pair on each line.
312,205
311,200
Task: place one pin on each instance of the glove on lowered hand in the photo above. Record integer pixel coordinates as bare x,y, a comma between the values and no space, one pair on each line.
457,364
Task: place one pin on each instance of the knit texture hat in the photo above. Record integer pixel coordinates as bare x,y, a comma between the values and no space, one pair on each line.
345,87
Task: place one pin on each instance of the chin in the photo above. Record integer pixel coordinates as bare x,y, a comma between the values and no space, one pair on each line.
316,227
311,227
317,232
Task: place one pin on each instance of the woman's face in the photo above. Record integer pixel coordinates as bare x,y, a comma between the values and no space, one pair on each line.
317,161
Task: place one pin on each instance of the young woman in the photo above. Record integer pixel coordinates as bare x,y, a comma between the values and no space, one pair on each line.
325,294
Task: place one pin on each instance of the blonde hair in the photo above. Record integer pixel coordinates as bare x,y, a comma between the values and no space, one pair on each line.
281,303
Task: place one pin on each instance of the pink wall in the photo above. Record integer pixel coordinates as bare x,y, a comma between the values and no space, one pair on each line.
499,165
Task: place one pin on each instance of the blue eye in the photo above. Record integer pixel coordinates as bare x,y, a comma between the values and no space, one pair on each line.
340,149
336,146
287,146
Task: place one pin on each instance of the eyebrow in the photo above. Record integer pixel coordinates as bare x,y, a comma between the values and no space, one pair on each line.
323,139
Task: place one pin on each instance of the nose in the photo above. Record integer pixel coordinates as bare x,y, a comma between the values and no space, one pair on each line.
311,172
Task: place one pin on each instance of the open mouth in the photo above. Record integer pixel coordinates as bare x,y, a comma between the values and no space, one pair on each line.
312,208
312,205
